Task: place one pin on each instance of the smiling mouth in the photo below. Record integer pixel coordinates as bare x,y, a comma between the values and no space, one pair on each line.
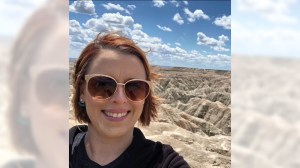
115,115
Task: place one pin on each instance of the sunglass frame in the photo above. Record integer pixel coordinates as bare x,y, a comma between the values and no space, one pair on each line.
90,76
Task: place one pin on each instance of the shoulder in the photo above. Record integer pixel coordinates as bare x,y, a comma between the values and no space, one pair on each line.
162,155
80,128
172,159
75,130
76,135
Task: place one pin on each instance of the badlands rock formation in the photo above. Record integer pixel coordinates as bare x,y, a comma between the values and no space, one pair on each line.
194,115
266,127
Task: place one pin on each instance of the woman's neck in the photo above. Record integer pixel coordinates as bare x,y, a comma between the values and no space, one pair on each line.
103,150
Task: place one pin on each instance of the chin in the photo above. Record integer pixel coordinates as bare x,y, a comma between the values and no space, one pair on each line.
117,132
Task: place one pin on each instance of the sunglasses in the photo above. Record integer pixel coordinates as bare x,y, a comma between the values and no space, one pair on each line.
103,87
51,85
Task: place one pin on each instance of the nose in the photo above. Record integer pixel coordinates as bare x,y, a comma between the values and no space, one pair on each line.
119,97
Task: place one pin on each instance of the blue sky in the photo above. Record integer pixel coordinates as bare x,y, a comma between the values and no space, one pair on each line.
178,33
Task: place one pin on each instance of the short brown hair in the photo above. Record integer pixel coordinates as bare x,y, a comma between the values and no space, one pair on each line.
121,44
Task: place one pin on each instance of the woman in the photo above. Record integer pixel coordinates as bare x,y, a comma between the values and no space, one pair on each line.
113,90
38,76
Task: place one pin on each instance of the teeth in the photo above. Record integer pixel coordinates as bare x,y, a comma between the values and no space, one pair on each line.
115,115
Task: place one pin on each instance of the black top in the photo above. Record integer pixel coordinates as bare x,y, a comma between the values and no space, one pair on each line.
142,153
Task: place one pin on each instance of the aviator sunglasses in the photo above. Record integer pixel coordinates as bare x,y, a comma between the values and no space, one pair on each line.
103,87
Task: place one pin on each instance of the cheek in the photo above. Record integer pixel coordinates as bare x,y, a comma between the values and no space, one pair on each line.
93,110
86,96
139,106
92,105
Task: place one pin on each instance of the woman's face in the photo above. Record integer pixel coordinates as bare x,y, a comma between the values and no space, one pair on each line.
122,67
46,100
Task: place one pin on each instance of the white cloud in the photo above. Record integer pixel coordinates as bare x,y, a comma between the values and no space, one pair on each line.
159,3
164,28
79,36
217,45
144,40
224,21
97,25
219,57
15,14
177,18
175,3
178,44
107,22
163,53
111,6
158,51
185,2
132,7
137,26
266,28
118,19
276,41
219,60
85,7
74,27
276,11
110,22
197,14
194,52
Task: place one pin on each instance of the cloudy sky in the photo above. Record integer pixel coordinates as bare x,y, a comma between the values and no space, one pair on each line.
177,33
269,28
14,13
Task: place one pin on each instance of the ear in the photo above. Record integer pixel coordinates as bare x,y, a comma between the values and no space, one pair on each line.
81,90
81,98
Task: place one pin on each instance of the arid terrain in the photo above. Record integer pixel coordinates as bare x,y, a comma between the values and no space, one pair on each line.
265,103
194,115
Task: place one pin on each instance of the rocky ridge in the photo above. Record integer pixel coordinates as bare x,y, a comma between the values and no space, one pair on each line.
194,115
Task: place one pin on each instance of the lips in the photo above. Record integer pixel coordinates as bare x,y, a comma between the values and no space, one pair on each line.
115,113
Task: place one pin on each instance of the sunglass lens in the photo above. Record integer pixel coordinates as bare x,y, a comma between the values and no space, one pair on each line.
136,90
51,87
101,87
